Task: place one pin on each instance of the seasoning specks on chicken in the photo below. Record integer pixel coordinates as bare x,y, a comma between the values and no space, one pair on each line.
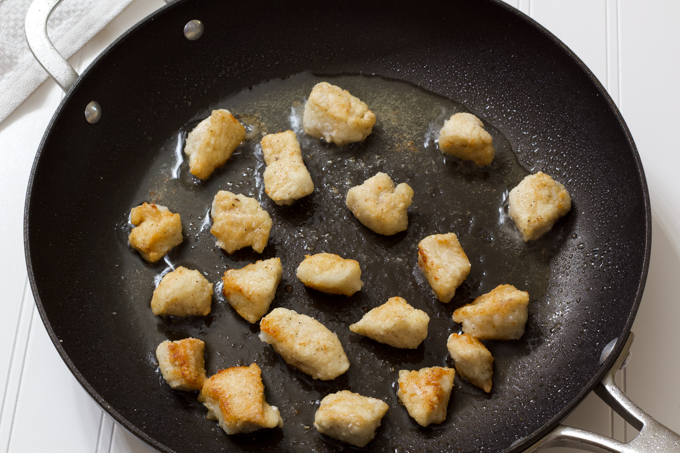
350,417
463,136
235,399
381,206
330,273
304,343
239,221
182,292
473,360
212,142
156,231
444,264
536,203
336,116
182,363
395,323
497,315
426,393
251,289
286,178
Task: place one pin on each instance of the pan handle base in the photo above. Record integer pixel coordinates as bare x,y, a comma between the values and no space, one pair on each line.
653,435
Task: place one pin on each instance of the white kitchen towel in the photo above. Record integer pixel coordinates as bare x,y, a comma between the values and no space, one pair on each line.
72,24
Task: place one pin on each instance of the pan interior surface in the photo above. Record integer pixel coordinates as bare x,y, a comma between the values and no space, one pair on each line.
543,112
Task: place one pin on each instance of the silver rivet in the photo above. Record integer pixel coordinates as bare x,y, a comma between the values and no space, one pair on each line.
93,112
193,30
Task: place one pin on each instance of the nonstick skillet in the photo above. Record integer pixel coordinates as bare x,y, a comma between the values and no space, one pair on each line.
417,63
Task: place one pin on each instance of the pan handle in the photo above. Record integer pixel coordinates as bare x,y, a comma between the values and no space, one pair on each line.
653,435
41,46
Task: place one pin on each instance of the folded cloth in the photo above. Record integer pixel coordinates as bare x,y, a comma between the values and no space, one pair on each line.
72,24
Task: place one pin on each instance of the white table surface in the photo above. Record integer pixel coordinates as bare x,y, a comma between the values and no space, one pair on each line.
632,46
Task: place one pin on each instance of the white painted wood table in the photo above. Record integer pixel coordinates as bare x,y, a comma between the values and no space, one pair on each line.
632,46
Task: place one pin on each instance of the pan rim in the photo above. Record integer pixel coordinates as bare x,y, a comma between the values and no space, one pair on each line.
520,444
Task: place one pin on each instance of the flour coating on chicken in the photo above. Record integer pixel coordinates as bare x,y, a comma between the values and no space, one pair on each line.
238,222
350,417
425,393
444,264
212,142
395,323
336,116
156,231
500,314
182,292
381,206
182,363
536,204
235,399
251,289
463,136
330,273
473,361
304,343
286,178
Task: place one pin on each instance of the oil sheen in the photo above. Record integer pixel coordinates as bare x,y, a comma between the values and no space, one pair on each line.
450,196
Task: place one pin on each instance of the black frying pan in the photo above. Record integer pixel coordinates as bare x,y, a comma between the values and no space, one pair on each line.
546,112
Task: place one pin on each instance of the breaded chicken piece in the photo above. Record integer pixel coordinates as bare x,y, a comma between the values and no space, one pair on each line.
379,205
251,289
426,393
444,264
156,231
286,178
239,221
182,363
304,343
182,292
463,136
336,116
497,315
536,204
350,417
473,361
395,323
235,398
330,273
212,142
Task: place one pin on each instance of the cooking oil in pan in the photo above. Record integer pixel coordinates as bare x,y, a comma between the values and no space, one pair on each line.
450,196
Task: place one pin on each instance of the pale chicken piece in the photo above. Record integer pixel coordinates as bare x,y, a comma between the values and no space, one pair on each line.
212,142
235,399
350,417
381,206
463,136
238,222
336,116
330,273
182,292
426,393
473,361
156,231
182,363
304,343
395,323
286,178
444,264
251,289
500,314
536,204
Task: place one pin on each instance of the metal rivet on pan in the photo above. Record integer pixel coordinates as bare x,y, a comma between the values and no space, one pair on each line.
93,112
193,30
608,350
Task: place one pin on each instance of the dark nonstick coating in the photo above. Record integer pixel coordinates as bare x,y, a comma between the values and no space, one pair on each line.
153,82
